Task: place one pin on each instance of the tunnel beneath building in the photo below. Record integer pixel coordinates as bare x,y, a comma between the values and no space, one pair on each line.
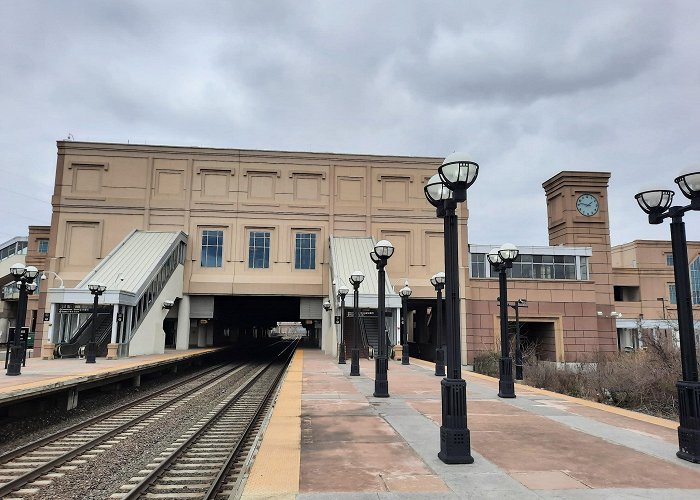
250,317
537,340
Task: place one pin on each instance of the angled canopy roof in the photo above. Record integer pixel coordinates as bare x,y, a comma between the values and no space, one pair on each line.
349,254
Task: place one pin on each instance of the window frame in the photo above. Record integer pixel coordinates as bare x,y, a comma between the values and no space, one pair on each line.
298,250
39,243
218,256
266,255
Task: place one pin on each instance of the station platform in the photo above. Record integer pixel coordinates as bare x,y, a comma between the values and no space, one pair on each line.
43,377
329,438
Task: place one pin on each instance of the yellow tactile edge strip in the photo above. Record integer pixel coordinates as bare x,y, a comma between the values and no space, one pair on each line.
662,422
275,472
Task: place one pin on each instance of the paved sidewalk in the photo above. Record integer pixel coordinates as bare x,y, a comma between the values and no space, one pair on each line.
539,445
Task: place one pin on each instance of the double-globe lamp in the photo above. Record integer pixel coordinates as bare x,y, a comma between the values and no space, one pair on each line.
438,282
658,204
342,292
356,278
96,289
404,293
502,259
444,191
24,278
383,250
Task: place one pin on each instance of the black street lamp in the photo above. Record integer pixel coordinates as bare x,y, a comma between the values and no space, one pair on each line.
444,191
342,292
355,279
405,293
383,250
502,259
663,306
96,289
518,351
657,203
24,279
438,282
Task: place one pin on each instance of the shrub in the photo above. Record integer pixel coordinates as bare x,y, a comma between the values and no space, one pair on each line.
643,380
487,363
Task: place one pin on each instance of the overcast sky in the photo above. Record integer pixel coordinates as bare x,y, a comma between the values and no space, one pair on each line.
527,88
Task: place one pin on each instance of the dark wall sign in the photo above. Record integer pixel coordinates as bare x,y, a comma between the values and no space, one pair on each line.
47,316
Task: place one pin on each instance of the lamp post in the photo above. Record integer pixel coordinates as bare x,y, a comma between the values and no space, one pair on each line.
24,277
518,352
663,306
405,293
342,292
355,279
445,191
502,259
657,203
438,282
383,250
96,289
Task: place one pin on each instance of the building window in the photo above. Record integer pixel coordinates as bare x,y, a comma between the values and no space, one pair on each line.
43,246
259,250
583,268
672,293
212,247
305,253
669,259
695,280
547,267
478,265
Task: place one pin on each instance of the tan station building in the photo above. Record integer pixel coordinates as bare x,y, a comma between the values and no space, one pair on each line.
205,246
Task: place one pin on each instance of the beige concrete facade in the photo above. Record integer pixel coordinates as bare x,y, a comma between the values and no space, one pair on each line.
104,191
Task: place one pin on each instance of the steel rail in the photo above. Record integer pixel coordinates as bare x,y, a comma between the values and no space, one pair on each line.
43,469
218,481
29,447
148,481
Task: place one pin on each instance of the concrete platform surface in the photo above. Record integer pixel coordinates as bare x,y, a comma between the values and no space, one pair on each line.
329,438
41,376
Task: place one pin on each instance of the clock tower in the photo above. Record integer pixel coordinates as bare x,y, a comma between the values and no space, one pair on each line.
577,215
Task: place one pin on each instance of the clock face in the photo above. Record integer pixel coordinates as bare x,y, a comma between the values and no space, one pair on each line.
587,205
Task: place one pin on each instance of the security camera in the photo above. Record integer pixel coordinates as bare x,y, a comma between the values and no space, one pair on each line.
167,304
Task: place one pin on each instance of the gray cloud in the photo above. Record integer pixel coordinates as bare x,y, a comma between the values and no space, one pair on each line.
528,89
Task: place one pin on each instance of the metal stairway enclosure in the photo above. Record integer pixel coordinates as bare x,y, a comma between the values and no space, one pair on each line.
141,273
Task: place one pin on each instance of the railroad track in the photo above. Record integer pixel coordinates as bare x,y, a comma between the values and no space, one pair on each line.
29,468
206,461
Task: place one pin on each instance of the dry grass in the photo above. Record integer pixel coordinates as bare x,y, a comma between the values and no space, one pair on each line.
643,381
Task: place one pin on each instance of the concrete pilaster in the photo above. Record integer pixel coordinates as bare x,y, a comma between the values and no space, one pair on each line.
182,340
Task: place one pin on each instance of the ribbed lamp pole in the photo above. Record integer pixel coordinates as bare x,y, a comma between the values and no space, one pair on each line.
445,191
657,203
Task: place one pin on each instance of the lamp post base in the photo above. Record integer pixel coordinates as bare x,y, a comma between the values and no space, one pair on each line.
455,443
14,365
689,428
381,383
341,354
90,352
404,355
440,362
506,387
355,362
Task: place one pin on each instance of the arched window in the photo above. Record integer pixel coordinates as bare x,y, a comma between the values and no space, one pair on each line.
695,280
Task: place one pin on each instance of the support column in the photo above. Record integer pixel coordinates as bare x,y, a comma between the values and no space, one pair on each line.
210,333
182,340
201,335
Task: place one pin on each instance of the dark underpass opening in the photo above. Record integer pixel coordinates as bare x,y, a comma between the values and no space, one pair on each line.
243,318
